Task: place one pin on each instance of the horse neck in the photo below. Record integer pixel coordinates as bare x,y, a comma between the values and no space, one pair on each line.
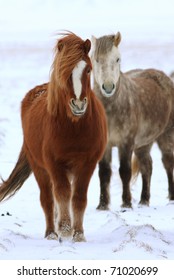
124,90
126,99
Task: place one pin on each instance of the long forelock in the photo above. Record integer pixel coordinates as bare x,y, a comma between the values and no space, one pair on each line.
104,45
67,58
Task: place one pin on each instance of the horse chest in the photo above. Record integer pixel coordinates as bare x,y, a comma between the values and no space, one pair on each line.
121,127
74,141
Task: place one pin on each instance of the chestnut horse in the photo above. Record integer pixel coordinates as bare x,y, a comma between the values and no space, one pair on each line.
65,134
140,110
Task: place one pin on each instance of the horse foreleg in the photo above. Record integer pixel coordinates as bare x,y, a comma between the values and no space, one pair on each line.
145,166
62,196
105,176
125,154
79,199
62,191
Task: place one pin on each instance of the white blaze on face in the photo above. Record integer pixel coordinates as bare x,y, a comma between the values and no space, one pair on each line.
76,78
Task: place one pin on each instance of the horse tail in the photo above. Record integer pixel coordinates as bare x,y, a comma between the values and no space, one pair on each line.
20,173
135,168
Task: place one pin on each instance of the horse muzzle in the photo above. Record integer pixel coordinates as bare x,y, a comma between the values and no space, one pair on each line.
78,107
108,89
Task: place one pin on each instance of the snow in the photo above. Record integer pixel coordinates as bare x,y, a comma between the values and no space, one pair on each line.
28,34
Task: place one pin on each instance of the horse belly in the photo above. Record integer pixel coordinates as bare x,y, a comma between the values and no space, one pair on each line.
141,130
153,117
148,132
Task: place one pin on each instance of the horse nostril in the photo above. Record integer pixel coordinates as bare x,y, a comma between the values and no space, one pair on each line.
103,86
72,101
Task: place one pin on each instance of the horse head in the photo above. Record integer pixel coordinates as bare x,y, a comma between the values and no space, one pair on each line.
71,75
106,62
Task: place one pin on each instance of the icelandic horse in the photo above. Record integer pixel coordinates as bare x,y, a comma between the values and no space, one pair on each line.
64,136
139,105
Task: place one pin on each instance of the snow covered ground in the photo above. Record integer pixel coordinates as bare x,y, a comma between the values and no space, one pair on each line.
27,38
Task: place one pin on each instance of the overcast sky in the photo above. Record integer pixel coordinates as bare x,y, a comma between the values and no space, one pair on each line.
93,16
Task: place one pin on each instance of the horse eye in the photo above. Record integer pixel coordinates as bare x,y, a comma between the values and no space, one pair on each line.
118,60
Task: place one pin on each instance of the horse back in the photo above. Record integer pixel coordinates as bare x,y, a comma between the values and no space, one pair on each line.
154,92
34,93
151,75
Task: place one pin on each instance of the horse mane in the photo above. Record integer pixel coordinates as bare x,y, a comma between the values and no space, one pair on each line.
69,50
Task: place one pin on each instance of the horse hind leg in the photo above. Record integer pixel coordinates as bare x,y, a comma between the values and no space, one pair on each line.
145,166
105,176
165,143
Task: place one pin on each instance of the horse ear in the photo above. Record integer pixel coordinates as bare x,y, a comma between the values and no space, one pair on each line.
93,40
117,39
87,46
60,45
93,43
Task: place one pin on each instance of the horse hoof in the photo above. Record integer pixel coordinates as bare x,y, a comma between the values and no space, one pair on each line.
52,236
102,207
144,203
79,237
126,205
